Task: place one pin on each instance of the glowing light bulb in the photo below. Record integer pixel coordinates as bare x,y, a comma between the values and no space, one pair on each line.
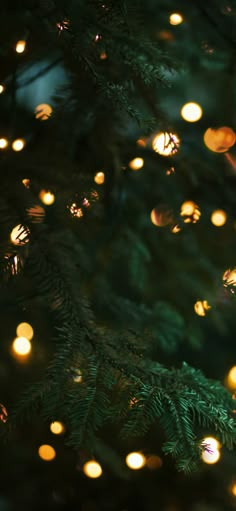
57,428
43,111
231,378
136,163
99,178
165,143
19,235
191,112
2,88
21,346
92,469
47,197
201,307
3,143
175,18
20,46
18,144
135,460
25,330
218,217
46,452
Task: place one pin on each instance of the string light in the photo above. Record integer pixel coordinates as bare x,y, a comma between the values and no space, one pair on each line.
201,307
25,330
3,143
175,18
20,46
19,235
191,112
21,346
18,144
211,452
165,143
2,88
92,469
57,428
46,452
231,378
99,178
43,111
47,197
136,163
218,218
135,460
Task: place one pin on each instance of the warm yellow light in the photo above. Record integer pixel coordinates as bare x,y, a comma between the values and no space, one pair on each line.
57,428
18,144
211,457
2,88
136,163
201,307
92,469
135,460
165,143
191,112
212,442
218,217
21,346
161,216
47,197
3,143
26,182
220,139
154,462
20,46
233,489
19,236
141,142
43,111
25,330
77,377
99,178
103,55
211,453
46,452
190,211
175,18
231,378
229,277
176,229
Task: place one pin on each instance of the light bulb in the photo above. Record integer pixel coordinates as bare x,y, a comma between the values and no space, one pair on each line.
218,217
135,460
18,144
46,452
3,143
136,163
25,330
57,428
20,46
21,346
191,112
92,469
165,143
47,197
175,18
99,178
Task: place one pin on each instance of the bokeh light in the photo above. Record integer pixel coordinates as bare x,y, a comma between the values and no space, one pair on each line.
99,178
219,140
218,217
3,143
231,378
136,163
191,112
161,216
21,346
211,452
25,330
43,111
46,452
135,460
201,307
229,278
153,462
18,144
190,212
57,428
20,46
47,197
165,143
92,469
19,235
2,88
176,18
233,489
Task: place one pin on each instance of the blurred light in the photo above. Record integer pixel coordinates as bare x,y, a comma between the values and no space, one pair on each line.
161,216
46,452
99,178
43,111
191,112
154,462
211,457
19,235
165,143
25,330
2,88
57,428
141,142
212,442
18,144
176,229
190,211
21,346
170,171
219,140
233,489
92,469
166,35
135,460
3,413
229,278
103,55
211,453
231,378
77,376
136,163
20,46
201,307
175,18
3,143
218,217
26,182
47,197
75,211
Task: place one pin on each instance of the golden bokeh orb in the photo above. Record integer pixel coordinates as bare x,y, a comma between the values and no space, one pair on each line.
99,178
175,18
165,143
3,143
190,212
25,330
231,378
211,452
136,163
18,144
201,307
19,236
233,489
46,452
219,140
47,197
218,217
191,112
2,88
92,469
229,277
211,457
20,46
57,428
212,442
161,216
43,111
21,346
135,460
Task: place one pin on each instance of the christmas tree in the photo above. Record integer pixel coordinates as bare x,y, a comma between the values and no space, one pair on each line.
117,252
